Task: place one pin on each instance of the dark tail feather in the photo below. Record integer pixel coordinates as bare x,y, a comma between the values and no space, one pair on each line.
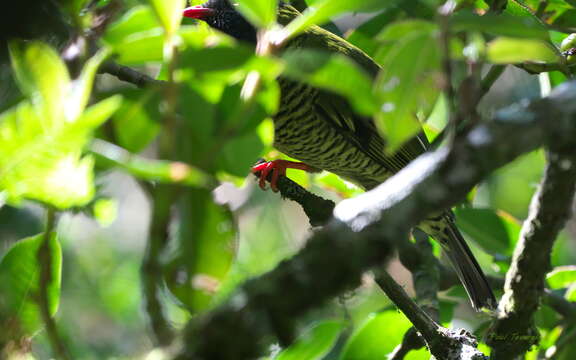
467,268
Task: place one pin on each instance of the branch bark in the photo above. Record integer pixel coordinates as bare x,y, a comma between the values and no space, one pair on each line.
514,332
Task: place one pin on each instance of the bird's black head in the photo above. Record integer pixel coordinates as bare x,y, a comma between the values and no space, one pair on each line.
222,15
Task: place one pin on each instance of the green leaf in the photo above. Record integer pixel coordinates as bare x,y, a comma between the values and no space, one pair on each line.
570,294
207,243
510,51
500,25
320,69
561,277
138,19
169,12
81,88
240,154
363,36
42,76
74,7
216,58
378,336
396,31
136,121
43,161
314,343
335,183
141,48
495,232
261,13
324,10
162,171
511,188
407,86
19,286
105,211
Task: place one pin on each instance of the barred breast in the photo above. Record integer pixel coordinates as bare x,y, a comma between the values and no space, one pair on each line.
301,133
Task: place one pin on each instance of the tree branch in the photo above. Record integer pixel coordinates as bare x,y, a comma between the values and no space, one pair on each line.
366,228
318,209
514,332
443,343
128,74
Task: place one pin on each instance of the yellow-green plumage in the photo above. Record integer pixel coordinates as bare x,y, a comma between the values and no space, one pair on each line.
321,129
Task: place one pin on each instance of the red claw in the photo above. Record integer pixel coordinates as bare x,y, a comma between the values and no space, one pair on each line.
278,168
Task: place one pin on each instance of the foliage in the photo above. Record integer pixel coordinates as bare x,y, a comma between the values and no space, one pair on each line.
95,149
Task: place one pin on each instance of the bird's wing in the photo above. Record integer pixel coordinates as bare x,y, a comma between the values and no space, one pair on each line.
362,132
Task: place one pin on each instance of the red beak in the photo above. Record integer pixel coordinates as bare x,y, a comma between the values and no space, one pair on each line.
198,12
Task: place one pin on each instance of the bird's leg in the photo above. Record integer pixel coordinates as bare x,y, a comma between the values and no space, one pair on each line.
277,167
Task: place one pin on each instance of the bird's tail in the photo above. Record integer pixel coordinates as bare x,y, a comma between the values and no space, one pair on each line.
444,230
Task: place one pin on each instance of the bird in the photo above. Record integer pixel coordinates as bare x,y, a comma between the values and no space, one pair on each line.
321,130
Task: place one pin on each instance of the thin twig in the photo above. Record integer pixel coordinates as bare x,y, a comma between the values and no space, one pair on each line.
161,198
129,75
485,86
541,8
45,278
489,79
444,13
442,342
411,341
421,321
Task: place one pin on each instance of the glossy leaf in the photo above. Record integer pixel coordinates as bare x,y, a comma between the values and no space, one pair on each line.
41,140
511,188
215,58
378,336
19,286
137,121
500,25
207,242
314,343
406,86
80,88
570,294
162,171
261,13
169,12
334,183
138,19
561,277
105,211
45,164
363,36
42,76
324,10
141,48
495,232
240,154
321,69
511,51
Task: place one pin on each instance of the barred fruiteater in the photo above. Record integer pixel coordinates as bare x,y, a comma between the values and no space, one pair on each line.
320,129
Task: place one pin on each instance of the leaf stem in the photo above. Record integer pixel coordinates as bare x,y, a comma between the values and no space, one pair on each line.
45,264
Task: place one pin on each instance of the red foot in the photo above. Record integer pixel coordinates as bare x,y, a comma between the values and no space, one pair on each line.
278,167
